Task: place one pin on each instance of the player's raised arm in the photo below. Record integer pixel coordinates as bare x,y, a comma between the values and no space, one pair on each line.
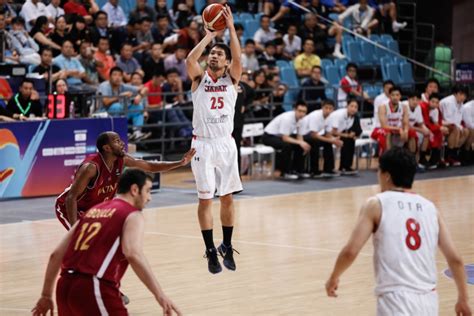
235,68
456,266
159,166
369,214
192,65
45,302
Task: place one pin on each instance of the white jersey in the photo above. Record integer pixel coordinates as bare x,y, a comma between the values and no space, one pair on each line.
394,119
214,107
405,244
415,116
379,100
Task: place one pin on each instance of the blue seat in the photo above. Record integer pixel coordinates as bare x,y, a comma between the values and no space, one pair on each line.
354,52
384,62
326,62
289,99
282,63
288,76
334,16
244,16
340,62
378,88
393,74
374,37
368,53
251,27
332,75
393,45
342,70
406,73
346,39
386,37
199,5
169,4
329,91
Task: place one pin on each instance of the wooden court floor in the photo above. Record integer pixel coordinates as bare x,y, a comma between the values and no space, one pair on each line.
288,244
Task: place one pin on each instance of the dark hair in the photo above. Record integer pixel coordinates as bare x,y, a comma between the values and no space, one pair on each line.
46,49
171,71
413,94
351,65
102,140
40,21
161,16
395,88
319,67
225,48
130,177
350,100
387,82
460,89
146,19
238,26
431,80
299,103
270,43
100,13
136,73
18,20
26,80
103,38
434,96
114,69
249,41
328,102
125,44
400,163
264,16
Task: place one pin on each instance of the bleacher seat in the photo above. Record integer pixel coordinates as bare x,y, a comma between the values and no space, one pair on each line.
245,16
386,37
406,73
251,27
332,75
368,53
325,62
393,74
288,76
384,62
334,16
282,63
329,93
340,62
374,37
199,5
346,39
342,71
354,52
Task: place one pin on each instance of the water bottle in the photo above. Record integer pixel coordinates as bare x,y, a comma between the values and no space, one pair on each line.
71,109
266,171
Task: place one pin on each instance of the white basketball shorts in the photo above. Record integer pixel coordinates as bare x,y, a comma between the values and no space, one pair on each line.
407,304
215,166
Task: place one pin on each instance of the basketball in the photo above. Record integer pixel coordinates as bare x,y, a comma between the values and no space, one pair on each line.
213,17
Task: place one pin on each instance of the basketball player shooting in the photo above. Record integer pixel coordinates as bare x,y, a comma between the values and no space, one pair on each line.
215,166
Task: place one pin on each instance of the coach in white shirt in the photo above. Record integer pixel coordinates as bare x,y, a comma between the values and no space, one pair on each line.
382,99
281,133
31,10
313,129
467,154
345,123
451,109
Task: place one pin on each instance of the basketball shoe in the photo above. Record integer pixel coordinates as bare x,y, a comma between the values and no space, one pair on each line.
213,264
228,254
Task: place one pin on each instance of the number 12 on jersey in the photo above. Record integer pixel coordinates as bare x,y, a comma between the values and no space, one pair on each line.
219,101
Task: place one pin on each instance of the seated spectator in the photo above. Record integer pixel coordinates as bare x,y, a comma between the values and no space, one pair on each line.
21,42
182,12
239,29
59,35
261,102
161,8
79,32
115,13
177,61
31,10
363,21
72,67
313,129
142,10
467,153
292,42
349,87
173,88
281,134
419,141
433,120
127,62
394,122
264,34
345,124
144,37
75,7
267,60
388,11
313,89
155,102
305,61
154,63
382,99
54,9
137,80
7,11
161,29
451,110
105,61
86,58
100,28
40,31
278,94
46,68
431,86
26,102
249,58
116,94
189,37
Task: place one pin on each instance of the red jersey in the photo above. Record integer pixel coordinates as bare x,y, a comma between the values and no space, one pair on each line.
432,118
95,248
102,188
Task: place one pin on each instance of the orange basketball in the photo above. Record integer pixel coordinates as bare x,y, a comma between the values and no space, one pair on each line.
213,17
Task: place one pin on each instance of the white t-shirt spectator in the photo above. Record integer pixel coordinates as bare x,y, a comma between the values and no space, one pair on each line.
115,15
250,63
359,18
30,11
468,114
283,124
378,101
451,110
313,122
293,47
340,120
261,36
53,11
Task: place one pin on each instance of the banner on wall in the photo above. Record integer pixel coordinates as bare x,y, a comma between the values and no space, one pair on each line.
38,158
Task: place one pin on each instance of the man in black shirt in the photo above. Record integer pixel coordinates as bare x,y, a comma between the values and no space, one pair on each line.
46,65
312,91
26,102
154,63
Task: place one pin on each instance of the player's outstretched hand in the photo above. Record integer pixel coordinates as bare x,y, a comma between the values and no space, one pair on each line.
42,307
168,306
210,33
462,308
331,287
229,18
188,156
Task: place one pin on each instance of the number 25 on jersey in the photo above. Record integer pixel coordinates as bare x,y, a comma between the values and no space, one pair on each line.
217,103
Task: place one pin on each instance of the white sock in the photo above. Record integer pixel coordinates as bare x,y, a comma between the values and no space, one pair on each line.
337,47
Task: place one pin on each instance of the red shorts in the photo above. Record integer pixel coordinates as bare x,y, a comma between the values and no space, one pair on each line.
78,295
379,134
61,214
413,134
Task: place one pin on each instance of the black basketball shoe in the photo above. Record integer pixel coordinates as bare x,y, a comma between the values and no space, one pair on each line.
228,254
212,262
